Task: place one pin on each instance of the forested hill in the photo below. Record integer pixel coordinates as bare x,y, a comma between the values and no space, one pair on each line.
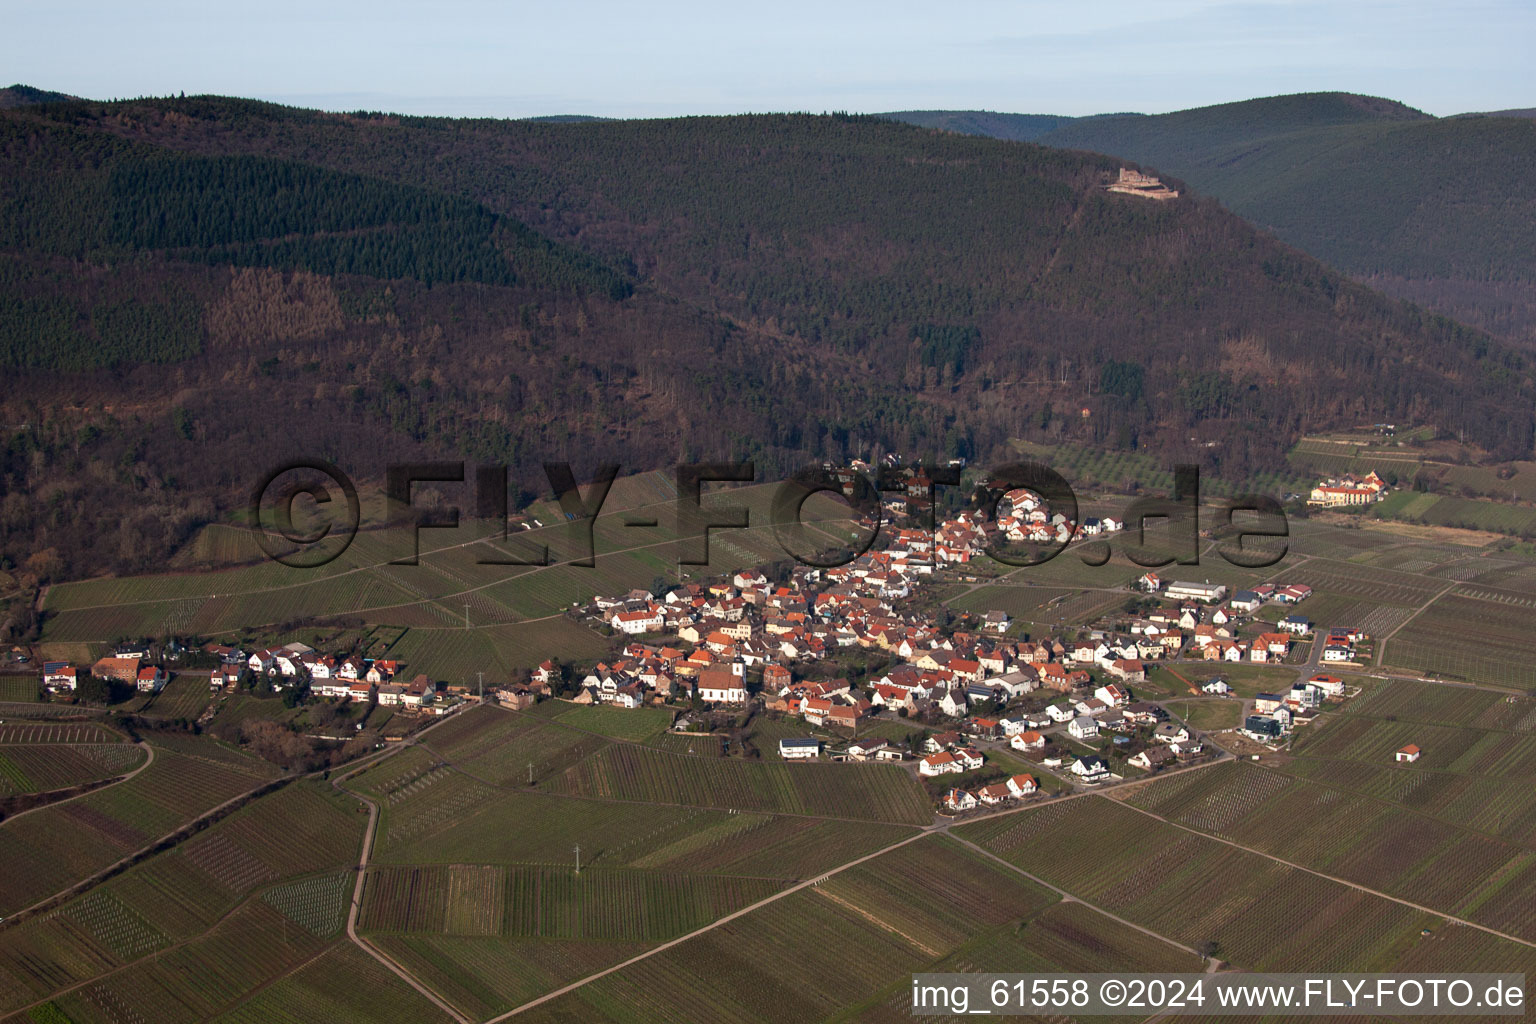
1440,211
206,284
25,95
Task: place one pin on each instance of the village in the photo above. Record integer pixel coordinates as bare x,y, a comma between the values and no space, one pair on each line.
871,669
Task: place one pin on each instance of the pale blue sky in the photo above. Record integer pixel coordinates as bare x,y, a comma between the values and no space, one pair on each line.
514,59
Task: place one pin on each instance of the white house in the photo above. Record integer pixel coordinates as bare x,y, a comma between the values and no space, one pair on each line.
1022,785
1083,728
1028,741
1113,695
150,680
59,675
646,621
942,763
1410,753
1090,769
806,749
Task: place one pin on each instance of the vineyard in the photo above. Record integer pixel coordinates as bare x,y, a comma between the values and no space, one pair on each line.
156,916
184,697
738,972
1447,705
1362,839
548,902
1445,748
628,772
455,569
57,732
319,905
486,976
1505,808
1464,513
20,689
199,979
48,849
40,767
1065,936
1477,633
870,932
345,984
1194,889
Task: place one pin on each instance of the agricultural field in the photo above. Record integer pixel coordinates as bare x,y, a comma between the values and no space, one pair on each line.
604,904
186,696
1192,888
1410,700
343,984
21,688
41,767
47,850
1020,599
195,911
1064,937
1476,633
885,919
1208,715
13,731
198,980
1358,838
516,826
629,772
635,724
1445,748
1462,513
1245,680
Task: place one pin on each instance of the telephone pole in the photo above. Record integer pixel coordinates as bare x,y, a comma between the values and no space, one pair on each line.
530,773
481,676
466,614
578,858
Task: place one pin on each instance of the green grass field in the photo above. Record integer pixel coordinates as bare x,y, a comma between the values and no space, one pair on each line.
635,724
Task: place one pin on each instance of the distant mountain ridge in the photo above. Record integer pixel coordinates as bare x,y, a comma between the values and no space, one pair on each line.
25,95
1013,127
1441,211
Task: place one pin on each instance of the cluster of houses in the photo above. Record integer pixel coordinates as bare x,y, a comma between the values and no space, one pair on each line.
1204,627
354,678
1276,714
702,639
127,664
1015,787
1348,490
